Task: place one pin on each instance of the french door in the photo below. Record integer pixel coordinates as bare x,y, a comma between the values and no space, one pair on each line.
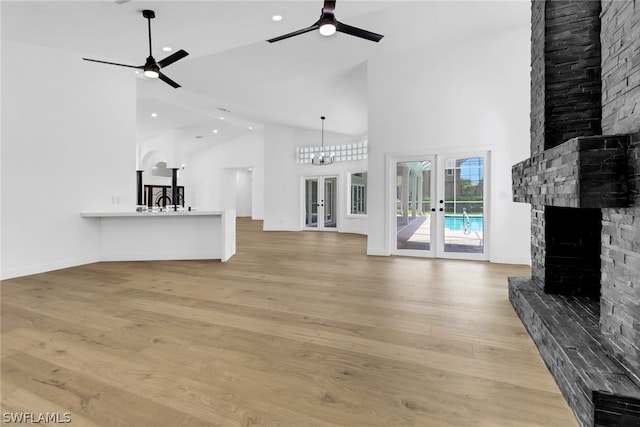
320,203
439,206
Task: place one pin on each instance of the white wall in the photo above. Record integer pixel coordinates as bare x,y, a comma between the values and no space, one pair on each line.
463,97
284,177
281,181
162,148
68,145
210,179
166,147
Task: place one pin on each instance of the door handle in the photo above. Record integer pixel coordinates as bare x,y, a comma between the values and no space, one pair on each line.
441,209
433,209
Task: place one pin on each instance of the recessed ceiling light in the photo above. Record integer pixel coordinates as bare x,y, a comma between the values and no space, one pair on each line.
221,118
154,115
215,131
167,48
250,127
276,18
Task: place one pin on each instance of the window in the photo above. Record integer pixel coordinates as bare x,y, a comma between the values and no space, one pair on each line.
161,169
358,193
343,152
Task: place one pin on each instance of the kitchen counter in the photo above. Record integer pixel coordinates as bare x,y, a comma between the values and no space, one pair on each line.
147,236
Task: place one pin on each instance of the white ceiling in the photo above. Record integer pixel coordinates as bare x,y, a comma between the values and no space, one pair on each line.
232,67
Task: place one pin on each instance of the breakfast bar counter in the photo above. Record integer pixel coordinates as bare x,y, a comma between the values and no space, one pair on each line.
146,236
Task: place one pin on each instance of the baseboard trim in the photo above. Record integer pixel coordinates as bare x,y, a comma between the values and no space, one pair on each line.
276,228
377,252
29,270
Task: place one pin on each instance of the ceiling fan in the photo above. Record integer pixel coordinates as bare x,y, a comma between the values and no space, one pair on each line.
151,67
328,25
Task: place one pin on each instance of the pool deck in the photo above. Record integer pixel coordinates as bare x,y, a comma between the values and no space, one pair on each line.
416,234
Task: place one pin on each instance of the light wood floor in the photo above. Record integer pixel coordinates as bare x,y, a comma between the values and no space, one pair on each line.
297,329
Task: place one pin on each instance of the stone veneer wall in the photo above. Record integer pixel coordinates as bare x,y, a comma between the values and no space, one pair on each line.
572,70
537,77
620,41
620,282
538,247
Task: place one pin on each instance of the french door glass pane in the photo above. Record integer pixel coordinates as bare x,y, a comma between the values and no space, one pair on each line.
464,205
413,205
330,202
311,203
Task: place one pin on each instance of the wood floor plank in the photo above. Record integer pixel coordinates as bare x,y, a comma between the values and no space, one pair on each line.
298,328
50,388
435,359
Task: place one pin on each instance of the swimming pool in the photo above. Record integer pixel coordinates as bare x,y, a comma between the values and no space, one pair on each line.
456,223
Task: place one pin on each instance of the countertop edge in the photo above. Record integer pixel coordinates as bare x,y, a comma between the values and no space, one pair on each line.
149,214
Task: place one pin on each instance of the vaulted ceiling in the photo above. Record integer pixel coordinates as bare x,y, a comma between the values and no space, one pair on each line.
232,72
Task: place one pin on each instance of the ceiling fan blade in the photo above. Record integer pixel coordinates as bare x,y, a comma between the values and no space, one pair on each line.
358,32
141,67
173,58
329,6
167,80
295,33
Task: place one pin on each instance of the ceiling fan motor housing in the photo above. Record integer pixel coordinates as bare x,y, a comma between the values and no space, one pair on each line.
151,64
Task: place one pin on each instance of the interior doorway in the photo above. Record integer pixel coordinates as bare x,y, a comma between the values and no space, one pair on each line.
244,194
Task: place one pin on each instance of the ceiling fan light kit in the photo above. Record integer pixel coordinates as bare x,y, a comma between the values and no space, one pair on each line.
329,25
152,74
152,68
328,29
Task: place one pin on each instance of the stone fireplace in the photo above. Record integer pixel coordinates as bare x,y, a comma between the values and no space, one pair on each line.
581,305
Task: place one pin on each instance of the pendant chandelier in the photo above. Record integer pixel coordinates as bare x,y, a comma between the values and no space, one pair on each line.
322,159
